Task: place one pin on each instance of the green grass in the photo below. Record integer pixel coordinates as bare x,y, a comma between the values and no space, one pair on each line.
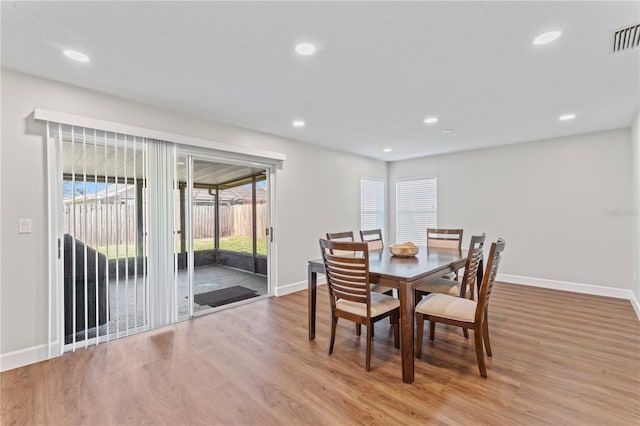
243,245
236,243
111,252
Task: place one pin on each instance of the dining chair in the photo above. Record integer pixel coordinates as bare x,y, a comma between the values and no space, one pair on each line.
454,287
347,236
373,237
460,312
445,238
350,292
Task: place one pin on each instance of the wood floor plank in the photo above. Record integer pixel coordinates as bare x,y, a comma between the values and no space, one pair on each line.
559,358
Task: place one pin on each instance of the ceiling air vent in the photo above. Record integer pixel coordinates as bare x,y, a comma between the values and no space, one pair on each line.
626,38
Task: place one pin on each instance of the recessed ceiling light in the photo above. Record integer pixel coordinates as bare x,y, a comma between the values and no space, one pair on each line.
566,117
76,56
298,123
431,120
547,37
387,150
305,49
447,130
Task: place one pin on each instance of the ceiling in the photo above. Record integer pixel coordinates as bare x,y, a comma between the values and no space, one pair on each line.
128,162
380,68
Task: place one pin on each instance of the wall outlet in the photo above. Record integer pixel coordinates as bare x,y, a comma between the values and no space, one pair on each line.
25,226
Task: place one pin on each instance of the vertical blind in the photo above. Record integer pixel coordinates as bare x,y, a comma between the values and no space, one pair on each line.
372,203
102,246
116,204
163,187
416,209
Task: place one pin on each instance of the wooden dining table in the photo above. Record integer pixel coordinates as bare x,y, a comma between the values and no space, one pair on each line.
404,274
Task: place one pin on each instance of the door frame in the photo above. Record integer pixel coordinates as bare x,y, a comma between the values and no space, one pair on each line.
270,166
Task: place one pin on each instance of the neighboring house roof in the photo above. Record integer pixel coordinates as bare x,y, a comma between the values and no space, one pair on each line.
117,195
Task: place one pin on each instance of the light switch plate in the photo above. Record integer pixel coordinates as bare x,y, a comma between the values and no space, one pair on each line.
25,226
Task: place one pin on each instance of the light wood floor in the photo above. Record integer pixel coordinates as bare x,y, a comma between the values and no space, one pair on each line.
559,358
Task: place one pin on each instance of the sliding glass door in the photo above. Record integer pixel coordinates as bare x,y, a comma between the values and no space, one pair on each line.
222,251
144,233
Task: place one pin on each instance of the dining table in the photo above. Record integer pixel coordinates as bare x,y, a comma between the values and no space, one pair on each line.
403,274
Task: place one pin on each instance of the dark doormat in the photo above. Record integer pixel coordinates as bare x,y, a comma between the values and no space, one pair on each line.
224,295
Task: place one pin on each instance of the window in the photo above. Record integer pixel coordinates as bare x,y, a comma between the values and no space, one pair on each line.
416,209
371,203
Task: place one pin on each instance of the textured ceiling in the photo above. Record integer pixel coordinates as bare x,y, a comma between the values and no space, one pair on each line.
380,69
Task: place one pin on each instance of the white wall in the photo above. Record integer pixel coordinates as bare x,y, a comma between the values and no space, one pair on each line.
635,161
562,205
318,191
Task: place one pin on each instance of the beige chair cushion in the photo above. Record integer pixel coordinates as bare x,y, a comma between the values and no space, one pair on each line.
451,276
344,253
441,285
380,304
375,245
446,306
380,288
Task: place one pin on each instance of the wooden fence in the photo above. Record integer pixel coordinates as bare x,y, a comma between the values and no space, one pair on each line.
234,220
107,224
116,223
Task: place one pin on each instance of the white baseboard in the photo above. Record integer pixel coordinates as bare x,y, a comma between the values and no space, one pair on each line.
635,304
297,286
23,357
596,290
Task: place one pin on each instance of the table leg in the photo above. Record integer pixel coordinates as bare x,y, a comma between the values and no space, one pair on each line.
407,312
312,284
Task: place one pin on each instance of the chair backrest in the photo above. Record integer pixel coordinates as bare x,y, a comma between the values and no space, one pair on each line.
474,257
346,236
373,237
444,238
495,256
347,275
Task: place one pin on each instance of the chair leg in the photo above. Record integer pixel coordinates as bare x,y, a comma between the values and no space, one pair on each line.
432,329
389,293
334,323
485,335
369,336
465,332
477,335
419,333
395,323
358,329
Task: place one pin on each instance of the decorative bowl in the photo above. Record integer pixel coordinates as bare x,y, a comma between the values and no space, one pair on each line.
407,249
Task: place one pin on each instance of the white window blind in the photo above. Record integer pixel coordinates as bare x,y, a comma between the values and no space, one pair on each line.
371,203
416,209
114,216
102,176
